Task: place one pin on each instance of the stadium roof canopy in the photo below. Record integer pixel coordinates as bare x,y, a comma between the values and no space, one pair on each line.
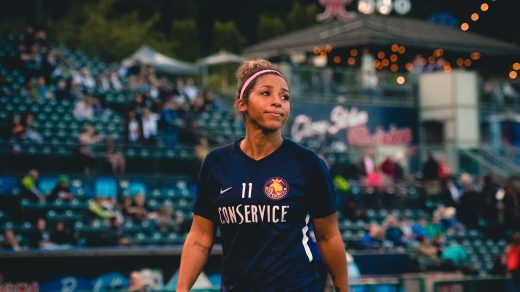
378,30
162,63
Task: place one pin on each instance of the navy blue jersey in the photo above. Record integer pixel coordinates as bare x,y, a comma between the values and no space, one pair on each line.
264,209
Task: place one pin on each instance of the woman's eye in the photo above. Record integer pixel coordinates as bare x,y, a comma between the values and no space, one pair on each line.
286,97
265,93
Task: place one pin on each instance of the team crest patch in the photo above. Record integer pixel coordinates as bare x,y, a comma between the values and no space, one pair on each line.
276,188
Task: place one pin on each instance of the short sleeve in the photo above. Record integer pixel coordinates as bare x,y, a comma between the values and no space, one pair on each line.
204,203
321,196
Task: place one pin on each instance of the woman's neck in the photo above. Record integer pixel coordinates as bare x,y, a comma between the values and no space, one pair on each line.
259,144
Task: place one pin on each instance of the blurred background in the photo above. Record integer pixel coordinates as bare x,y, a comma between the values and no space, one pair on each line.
108,107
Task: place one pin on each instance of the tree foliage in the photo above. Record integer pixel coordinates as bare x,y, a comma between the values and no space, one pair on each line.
269,27
226,36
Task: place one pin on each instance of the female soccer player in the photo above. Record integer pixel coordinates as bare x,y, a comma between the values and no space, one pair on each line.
263,192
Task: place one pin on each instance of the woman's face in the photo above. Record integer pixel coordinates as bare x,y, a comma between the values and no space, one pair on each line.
268,106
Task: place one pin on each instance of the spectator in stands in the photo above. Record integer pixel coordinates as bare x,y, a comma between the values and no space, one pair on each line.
40,236
88,152
84,109
430,174
434,228
373,238
513,261
133,129
511,204
115,157
428,254
62,235
451,192
10,242
17,128
202,149
97,107
419,228
470,201
31,134
393,233
62,190
42,90
166,219
427,249
171,123
136,282
367,164
139,210
489,206
189,90
101,208
445,171
113,235
149,122
455,256
29,188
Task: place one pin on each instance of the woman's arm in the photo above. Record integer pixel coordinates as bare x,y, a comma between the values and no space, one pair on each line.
332,249
195,252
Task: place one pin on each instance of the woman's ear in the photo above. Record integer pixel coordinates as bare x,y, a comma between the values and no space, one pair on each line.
240,105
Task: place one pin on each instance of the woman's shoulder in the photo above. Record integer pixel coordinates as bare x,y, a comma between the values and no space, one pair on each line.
303,153
221,151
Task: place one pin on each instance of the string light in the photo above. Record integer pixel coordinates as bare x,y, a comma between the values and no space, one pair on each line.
475,56
513,74
400,80
402,50
460,62
393,58
409,66
385,62
464,26
467,62
394,68
328,48
474,16
395,48
381,55
516,66
353,52
484,7
337,59
351,61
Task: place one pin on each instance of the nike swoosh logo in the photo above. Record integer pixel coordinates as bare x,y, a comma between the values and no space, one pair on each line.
223,191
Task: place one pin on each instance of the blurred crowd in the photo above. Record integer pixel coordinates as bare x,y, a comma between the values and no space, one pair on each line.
155,110
109,212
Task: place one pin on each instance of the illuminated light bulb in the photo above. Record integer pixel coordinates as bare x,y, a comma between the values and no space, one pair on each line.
351,61
395,48
385,62
516,66
409,66
316,50
402,50
484,7
394,67
460,61
401,80
464,26
337,59
381,55
431,59
328,48
467,62
353,52
474,16
366,6
513,74
475,56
